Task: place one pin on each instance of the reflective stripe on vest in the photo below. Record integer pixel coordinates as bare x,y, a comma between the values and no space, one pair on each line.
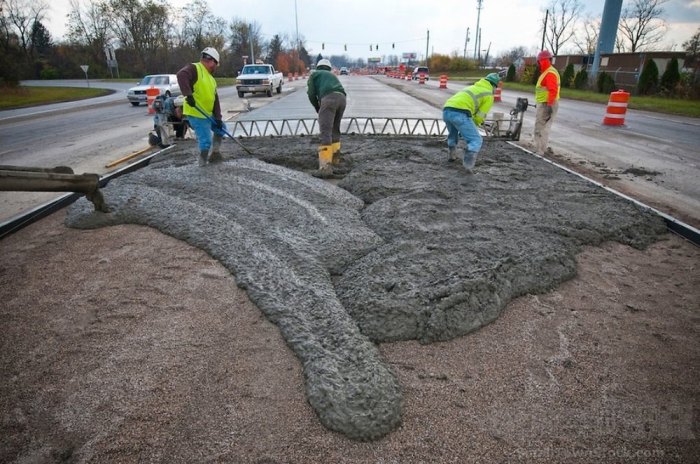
542,93
476,98
203,92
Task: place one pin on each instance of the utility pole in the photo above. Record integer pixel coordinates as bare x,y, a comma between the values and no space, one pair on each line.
544,29
250,39
296,20
427,44
478,31
465,44
479,40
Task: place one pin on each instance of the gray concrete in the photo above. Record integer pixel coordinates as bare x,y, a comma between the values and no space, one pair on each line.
407,247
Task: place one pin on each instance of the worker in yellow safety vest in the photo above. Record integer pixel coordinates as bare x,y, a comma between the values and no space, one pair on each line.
463,112
202,106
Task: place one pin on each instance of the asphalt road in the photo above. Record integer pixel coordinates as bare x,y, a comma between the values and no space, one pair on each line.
653,158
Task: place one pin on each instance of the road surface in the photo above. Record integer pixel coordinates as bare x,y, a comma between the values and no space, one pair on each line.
653,158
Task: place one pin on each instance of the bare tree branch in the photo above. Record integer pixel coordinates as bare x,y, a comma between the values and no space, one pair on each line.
563,15
586,39
642,25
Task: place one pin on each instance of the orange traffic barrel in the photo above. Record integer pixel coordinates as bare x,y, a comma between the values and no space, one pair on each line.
421,78
497,93
617,108
289,77
151,95
296,76
408,76
443,81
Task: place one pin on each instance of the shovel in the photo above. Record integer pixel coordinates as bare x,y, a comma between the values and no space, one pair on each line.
213,121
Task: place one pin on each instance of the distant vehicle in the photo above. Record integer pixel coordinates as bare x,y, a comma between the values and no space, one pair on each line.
343,71
418,70
259,78
166,83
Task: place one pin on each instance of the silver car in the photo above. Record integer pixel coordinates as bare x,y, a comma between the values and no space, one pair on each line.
166,83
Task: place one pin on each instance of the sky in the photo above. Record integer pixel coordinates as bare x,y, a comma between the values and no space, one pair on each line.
413,26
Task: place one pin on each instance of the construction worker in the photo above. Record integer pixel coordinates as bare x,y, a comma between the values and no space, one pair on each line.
547,99
202,106
463,112
328,97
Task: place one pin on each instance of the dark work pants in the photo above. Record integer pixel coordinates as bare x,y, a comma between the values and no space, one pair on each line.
329,116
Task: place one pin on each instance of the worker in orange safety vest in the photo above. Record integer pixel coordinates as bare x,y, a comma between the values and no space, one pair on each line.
547,99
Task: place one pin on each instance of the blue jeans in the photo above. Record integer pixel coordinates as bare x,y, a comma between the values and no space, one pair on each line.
203,128
458,123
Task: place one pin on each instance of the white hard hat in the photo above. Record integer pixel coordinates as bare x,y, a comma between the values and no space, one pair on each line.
210,51
324,62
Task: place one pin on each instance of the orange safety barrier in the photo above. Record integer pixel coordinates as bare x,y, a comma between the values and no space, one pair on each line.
151,95
497,92
421,78
443,81
289,77
408,76
296,76
617,107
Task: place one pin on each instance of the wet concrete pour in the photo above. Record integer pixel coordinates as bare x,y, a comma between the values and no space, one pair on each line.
406,246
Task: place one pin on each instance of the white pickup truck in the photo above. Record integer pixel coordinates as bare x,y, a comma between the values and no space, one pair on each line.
259,78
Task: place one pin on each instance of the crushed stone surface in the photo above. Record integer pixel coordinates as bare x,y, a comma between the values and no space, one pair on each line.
402,245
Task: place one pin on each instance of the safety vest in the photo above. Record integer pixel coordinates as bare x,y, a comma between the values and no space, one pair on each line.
477,99
203,91
542,93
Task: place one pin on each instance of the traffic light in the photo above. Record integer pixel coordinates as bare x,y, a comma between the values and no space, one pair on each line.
370,48
323,45
377,47
345,47
392,46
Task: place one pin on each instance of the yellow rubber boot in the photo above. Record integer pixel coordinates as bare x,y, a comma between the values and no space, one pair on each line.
325,159
336,152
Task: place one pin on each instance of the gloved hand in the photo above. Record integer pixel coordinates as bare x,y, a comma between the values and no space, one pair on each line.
217,126
548,112
190,100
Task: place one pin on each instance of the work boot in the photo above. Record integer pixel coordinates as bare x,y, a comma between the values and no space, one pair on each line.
469,161
452,154
215,151
337,156
203,156
325,159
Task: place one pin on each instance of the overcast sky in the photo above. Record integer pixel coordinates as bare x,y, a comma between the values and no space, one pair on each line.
505,24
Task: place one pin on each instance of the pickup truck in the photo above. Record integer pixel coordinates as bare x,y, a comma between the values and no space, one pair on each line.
259,78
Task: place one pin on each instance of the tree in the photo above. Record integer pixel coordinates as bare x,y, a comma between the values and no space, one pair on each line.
562,18
581,79
511,56
510,75
18,18
274,48
671,77
200,28
242,35
89,26
692,50
649,79
40,40
605,82
641,24
568,77
586,38
143,29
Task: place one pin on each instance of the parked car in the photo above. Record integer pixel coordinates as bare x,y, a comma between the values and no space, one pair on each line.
418,70
343,71
166,83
